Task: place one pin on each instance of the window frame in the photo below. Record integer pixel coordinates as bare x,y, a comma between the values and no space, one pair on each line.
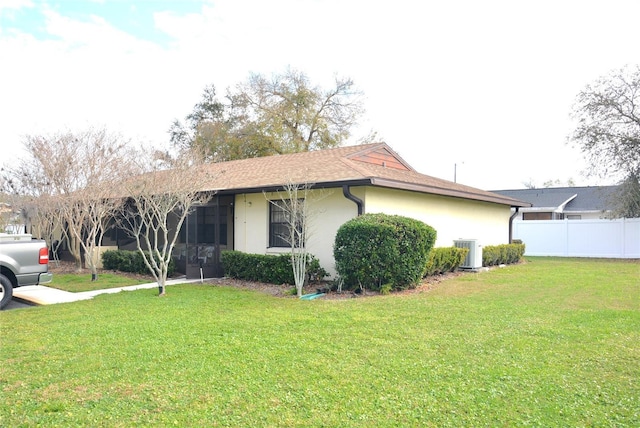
278,206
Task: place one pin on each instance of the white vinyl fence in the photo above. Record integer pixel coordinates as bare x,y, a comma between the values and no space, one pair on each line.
618,238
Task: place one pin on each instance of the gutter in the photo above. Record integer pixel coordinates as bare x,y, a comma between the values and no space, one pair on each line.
346,191
280,187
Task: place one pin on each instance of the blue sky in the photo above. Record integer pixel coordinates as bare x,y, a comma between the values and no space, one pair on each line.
486,86
133,17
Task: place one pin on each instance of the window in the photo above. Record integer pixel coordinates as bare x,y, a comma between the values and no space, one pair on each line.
543,216
574,217
280,213
536,216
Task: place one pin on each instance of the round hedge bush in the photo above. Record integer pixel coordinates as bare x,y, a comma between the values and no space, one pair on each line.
382,252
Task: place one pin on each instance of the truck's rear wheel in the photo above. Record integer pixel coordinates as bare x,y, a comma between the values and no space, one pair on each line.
6,291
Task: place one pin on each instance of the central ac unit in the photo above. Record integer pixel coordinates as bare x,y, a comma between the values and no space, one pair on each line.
474,256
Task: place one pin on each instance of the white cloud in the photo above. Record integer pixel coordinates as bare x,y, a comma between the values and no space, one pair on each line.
487,83
7,5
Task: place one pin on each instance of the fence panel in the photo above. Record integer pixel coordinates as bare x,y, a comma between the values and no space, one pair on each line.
619,238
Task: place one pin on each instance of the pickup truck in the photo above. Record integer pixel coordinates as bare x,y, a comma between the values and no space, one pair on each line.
23,261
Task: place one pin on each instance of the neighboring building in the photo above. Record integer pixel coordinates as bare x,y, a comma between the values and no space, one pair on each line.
10,222
559,203
352,180
573,222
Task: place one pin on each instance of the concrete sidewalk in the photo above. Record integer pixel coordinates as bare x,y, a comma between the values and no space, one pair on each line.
42,295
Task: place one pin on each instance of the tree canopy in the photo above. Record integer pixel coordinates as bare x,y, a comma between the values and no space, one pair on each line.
608,128
266,116
608,133
64,186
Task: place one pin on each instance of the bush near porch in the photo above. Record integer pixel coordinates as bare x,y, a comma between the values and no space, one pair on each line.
129,261
267,268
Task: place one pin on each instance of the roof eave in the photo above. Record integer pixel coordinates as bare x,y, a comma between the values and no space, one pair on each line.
392,184
442,191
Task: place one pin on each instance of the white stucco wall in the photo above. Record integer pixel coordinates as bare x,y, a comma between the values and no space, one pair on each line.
330,209
452,218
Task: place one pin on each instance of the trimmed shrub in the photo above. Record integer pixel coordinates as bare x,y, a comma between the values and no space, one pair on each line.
130,261
377,251
267,268
493,255
445,259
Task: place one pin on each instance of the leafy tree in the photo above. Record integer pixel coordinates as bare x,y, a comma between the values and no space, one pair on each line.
608,130
204,128
628,199
266,116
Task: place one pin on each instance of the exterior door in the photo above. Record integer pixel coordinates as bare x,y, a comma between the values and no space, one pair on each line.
206,233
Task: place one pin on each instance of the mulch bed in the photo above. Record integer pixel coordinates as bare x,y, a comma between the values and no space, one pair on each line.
283,290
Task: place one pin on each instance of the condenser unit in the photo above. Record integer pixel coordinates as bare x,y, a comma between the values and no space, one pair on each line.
474,256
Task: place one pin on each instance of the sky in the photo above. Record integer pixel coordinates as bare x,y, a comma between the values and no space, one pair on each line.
479,91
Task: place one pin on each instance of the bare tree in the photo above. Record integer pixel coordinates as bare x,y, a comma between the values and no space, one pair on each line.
295,203
608,131
45,219
64,182
158,202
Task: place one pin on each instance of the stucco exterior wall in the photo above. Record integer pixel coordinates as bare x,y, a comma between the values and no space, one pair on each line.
453,218
329,210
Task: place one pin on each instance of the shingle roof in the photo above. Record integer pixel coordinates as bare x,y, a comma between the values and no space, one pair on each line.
369,164
592,198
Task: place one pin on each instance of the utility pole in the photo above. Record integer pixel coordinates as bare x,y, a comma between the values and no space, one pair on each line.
455,172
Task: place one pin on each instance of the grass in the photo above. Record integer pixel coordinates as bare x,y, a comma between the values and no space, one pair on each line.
553,342
78,282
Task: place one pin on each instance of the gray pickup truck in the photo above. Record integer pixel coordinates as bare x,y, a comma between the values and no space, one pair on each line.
23,261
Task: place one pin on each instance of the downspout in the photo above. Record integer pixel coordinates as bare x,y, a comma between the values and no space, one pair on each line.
346,191
513,216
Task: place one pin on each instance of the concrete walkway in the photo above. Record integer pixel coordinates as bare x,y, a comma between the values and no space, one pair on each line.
42,295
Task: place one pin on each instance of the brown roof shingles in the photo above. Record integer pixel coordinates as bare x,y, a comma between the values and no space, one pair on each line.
332,168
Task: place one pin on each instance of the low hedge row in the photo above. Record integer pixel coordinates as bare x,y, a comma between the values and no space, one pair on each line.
129,261
504,254
267,268
445,259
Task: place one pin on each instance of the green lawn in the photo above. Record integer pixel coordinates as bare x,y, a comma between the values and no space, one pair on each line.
77,282
553,342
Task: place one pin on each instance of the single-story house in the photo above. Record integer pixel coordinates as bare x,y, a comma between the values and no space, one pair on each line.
348,181
559,203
